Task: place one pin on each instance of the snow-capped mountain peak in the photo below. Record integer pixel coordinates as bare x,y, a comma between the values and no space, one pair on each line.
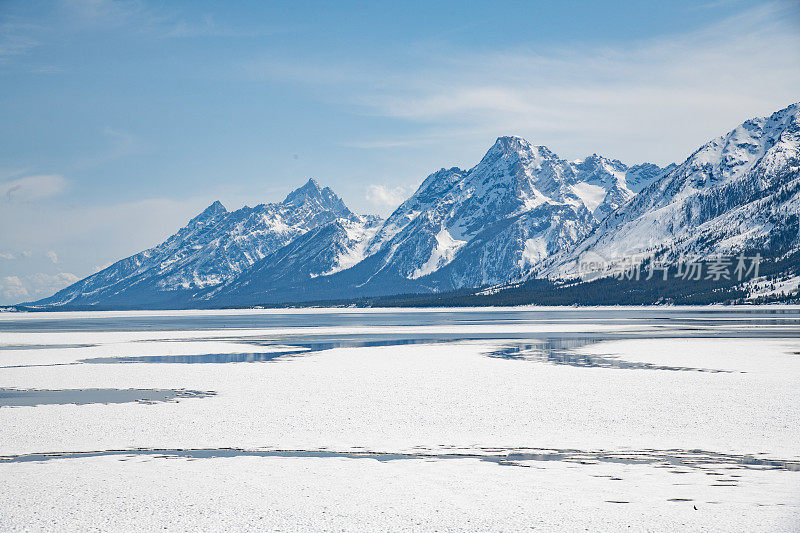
599,170
211,213
513,146
312,196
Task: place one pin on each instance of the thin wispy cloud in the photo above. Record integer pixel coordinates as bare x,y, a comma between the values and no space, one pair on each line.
119,144
16,39
30,188
103,12
133,17
12,45
652,101
657,99
146,19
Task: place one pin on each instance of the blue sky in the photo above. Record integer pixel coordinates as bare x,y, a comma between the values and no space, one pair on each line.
121,120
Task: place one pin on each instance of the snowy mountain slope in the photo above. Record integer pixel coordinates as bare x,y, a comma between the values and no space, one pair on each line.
737,192
506,249
214,247
601,184
520,204
606,184
637,177
289,272
452,207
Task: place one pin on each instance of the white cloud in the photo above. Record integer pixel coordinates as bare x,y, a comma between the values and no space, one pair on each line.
30,188
386,196
52,256
12,289
15,289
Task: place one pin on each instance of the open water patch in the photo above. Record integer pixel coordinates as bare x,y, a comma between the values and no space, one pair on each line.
33,397
561,351
298,347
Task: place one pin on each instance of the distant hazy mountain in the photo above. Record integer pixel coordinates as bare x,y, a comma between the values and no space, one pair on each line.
522,212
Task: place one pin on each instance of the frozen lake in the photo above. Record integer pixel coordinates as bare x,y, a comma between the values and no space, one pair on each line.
396,419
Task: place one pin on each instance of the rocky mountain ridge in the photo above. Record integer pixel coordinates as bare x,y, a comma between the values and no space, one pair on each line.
521,213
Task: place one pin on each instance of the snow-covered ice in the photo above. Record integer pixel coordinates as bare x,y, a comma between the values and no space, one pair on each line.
698,410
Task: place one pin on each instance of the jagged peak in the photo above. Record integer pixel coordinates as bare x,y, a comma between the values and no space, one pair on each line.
311,193
443,177
311,189
648,166
217,207
510,143
791,109
592,159
515,146
511,139
210,212
596,159
442,171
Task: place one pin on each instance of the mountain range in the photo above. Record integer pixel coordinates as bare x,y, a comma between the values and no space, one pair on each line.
521,213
